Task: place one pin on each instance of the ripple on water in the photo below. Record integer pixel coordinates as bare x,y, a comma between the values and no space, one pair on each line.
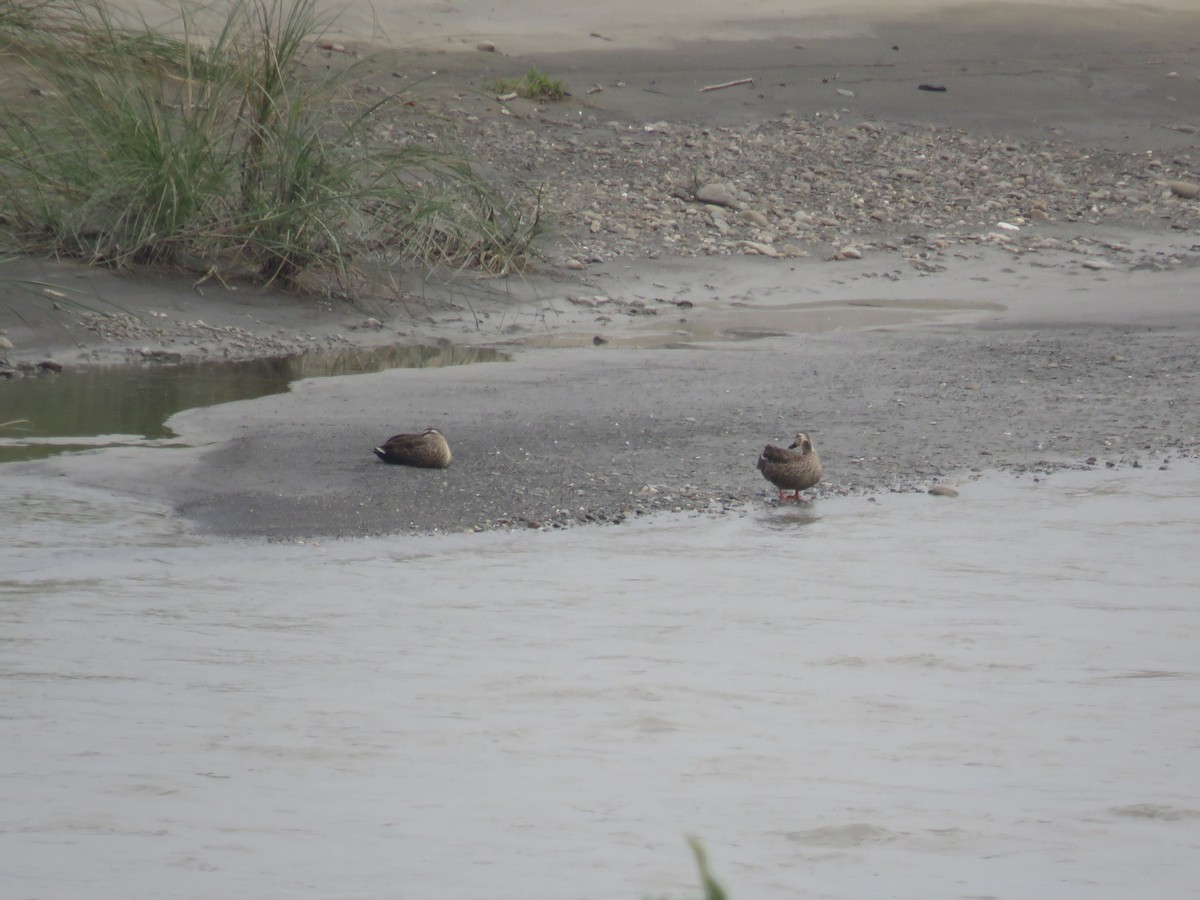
909,692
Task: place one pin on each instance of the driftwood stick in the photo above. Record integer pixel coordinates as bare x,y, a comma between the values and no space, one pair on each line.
718,87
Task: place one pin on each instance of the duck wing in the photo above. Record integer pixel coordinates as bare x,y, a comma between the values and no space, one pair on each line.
400,447
772,455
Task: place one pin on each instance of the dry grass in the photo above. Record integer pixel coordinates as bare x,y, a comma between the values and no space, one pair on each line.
213,150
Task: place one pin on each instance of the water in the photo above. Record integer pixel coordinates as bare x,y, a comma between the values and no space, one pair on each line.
106,406
911,697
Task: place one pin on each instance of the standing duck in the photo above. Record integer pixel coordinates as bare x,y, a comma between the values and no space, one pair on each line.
428,450
795,469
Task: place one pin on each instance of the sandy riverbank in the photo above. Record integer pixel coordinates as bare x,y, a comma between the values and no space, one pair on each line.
907,369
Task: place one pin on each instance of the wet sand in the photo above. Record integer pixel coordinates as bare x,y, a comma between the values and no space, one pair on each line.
998,361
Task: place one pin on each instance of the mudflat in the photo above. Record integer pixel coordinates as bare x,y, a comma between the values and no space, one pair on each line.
938,239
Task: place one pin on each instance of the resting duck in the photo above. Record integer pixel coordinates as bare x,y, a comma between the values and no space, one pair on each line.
427,450
795,469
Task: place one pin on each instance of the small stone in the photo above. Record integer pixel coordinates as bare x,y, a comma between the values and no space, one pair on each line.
754,217
597,340
485,47
717,194
845,93
943,490
849,252
50,365
5,344
758,248
1185,189
573,264
1097,265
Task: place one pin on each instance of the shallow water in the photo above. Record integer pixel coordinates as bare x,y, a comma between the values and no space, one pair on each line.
105,406
988,696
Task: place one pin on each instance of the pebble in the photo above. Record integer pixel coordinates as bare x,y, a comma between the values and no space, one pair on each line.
485,47
943,490
754,217
759,248
717,194
1185,189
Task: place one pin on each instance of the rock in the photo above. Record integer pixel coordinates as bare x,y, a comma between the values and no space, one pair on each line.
50,365
848,252
156,355
754,217
759,248
845,93
485,47
1097,265
943,490
5,343
909,174
718,194
1184,189
573,264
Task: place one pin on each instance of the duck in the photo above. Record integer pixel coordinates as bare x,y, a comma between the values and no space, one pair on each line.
427,450
796,468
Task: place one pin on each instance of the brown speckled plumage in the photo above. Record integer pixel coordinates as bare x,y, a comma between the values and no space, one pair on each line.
427,450
796,468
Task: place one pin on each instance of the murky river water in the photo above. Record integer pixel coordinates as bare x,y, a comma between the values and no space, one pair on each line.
988,696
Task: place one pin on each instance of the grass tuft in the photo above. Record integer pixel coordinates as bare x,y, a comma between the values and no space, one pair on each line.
534,86
215,150
712,888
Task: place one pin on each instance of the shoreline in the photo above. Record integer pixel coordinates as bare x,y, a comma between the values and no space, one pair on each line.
918,361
